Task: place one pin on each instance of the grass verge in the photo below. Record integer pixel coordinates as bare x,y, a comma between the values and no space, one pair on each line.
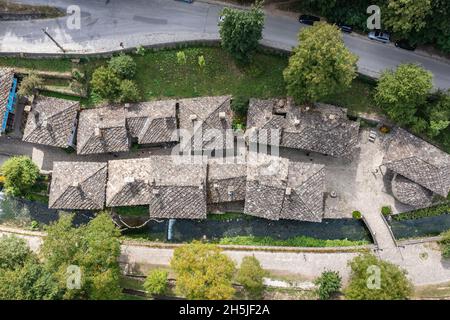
300,241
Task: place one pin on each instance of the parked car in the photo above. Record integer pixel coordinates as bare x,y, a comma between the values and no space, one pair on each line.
345,28
380,36
188,1
404,44
308,19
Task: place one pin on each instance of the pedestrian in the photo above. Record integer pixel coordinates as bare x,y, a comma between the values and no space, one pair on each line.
121,44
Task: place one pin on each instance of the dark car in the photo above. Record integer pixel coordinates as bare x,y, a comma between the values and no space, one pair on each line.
404,44
308,19
345,28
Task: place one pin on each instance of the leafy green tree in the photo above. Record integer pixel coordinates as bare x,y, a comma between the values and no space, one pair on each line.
439,113
203,272
393,283
156,282
28,282
251,276
20,174
321,64
94,248
106,84
129,91
14,252
404,16
123,66
29,84
241,30
400,93
328,283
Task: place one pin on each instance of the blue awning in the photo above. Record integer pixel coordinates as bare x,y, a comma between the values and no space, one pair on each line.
10,104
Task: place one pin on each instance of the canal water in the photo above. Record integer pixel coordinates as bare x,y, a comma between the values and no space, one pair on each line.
423,227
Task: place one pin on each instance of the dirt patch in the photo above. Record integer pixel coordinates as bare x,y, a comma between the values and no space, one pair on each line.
15,11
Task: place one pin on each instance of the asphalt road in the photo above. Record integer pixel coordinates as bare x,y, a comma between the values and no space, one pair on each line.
107,23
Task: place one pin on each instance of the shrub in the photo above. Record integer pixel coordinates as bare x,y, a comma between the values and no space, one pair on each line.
29,84
20,174
181,58
386,210
129,91
140,50
156,282
328,284
251,276
201,62
123,66
239,105
356,215
14,252
445,244
423,213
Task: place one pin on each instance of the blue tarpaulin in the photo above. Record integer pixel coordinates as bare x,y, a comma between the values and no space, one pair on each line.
10,104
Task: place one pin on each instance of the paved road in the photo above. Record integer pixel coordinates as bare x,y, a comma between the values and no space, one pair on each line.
105,24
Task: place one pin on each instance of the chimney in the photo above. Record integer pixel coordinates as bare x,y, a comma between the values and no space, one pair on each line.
27,108
230,191
288,191
98,132
126,105
296,122
193,117
129,180
222,115
215,186
76,184
332,116
155,191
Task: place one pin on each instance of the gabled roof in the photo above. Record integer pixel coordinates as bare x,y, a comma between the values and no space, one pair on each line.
152,122
6,80
207,117
102,130
51,121
419,161
78,185
172,186
226,181
280,189
324,128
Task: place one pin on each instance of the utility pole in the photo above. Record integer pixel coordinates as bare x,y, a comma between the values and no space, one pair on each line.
54,41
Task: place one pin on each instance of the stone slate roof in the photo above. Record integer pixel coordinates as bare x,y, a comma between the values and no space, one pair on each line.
102,130
172,187
51,121
152,122
199,116
324,128
411,193
226,181
78,185
280,189
6,80
419,161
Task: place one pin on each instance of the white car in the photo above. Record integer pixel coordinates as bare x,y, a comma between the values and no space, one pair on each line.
380,36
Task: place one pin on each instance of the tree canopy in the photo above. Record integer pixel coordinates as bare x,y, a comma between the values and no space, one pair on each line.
405,16
20,173
374,279
203,272
241,30
251,276
321,64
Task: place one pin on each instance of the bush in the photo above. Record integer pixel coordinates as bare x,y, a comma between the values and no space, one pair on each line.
445,244
251,276
386,210
20,175
123,66
329,283
156,282
356,215
129,91
239,105
29,84
140,50
423,213
14,252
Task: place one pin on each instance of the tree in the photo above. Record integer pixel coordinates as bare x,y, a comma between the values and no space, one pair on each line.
438,113
94,248
393,283
399,93
251,276
106,84
328,284
20,174
123,66
129,91
203,272
445,244
22,277
156,282
321,64
240,31
29,84
405,16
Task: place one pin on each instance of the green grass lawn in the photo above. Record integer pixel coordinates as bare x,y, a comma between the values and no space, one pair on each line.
59,65
300,241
